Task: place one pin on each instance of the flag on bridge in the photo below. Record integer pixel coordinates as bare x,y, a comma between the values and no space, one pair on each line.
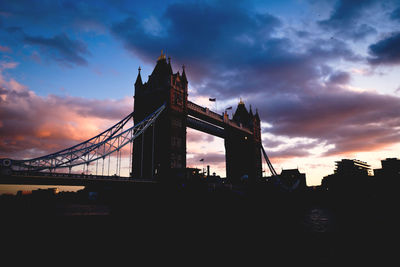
212,99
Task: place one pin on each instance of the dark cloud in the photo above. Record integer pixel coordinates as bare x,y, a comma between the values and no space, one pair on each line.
55,20
344,19
87,15
395,15
230,36
271,143
339,77
364,138
61,48
280,70
347,11
235,53
351,121
362,31
292,152
299,149
386,51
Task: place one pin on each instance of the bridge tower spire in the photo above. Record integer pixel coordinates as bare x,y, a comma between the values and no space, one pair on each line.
184,79
139,78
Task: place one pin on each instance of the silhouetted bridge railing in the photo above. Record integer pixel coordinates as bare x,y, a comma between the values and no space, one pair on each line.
205,111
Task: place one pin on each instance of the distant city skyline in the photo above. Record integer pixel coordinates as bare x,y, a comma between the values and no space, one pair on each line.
322,74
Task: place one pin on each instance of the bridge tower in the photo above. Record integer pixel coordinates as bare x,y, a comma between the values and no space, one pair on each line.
161,151
243,149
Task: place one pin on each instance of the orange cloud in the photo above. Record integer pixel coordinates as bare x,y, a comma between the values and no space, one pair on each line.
32,126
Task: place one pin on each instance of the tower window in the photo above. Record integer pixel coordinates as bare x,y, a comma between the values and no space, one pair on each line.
178,99
176,142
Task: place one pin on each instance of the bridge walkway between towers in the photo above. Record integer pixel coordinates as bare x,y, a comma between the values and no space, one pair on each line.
209,116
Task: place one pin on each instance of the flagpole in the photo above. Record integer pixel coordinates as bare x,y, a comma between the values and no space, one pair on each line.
226,110
214,100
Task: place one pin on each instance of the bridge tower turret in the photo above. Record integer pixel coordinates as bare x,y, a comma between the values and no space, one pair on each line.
161,151
242,149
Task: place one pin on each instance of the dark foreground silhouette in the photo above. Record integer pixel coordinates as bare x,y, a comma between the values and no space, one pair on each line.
192,224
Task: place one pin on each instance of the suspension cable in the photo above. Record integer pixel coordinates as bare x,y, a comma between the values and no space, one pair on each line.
89,150
108,173
130,157
120,162
271,168
116,167
142,152
102,168
152,153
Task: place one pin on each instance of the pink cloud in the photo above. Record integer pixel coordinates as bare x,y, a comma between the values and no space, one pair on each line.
32,126
5,49
350,121
8,65
196,136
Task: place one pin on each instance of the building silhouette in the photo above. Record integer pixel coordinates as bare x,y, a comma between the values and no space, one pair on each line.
387,178
294,180
390,169
349,175
353,167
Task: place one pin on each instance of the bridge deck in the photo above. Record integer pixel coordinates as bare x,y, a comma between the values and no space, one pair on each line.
212,117
69,179
205,127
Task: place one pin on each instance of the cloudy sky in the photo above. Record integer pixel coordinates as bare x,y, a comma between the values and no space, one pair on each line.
324,75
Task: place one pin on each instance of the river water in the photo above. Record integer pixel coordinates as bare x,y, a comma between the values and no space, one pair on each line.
318,220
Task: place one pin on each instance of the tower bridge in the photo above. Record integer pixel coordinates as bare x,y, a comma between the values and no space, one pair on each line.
157,139
167,140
